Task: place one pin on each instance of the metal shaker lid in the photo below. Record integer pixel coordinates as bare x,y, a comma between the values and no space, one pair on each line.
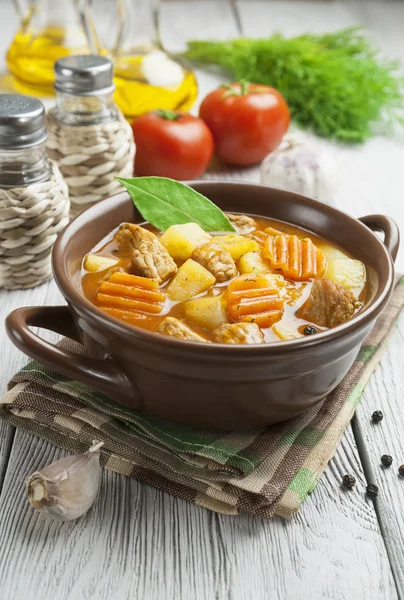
22,121
86,75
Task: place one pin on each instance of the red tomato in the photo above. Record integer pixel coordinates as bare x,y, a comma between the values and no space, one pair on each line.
247,120
169,144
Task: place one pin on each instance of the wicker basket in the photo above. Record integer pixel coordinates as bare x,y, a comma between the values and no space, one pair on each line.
90,157
30,219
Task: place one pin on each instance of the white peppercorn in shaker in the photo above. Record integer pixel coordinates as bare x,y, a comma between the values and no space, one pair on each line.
89,137
34,201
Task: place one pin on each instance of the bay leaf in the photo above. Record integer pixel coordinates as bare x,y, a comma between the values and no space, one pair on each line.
164,202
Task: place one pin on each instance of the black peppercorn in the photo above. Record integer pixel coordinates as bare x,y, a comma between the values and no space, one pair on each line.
377,416
309,330
386,460
401,470
372,490
348,481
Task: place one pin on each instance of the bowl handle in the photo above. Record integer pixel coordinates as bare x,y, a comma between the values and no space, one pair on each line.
103,375
388,227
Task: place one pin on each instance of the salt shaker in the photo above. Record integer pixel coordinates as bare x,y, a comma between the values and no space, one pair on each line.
89,137
34,201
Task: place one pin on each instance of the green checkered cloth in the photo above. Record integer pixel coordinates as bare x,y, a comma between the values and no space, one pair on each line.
263,471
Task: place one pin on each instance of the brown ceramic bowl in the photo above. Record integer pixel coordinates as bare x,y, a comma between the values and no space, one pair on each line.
208,385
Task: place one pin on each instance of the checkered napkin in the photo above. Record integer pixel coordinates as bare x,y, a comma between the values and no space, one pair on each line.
263,471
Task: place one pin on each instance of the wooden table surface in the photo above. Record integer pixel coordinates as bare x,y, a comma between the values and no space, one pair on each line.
138,542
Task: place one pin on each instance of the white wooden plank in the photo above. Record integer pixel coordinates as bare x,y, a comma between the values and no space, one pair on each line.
46,293
385,392
137,542
11,359
6,442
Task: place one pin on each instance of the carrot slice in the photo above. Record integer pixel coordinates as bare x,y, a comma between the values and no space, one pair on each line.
124,315
296,259
272,231
265,319
116,289
122,295
253,299
136,280
125,303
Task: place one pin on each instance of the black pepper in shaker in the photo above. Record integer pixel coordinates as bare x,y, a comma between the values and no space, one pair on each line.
377,416
348,481
401,470
386,460
309,330
372,490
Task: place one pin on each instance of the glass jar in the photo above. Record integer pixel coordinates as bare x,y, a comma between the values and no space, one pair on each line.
34,202
49,29
88,136
84,91
147,77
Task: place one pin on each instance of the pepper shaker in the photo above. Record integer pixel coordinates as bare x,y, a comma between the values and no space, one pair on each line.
34,201
89,137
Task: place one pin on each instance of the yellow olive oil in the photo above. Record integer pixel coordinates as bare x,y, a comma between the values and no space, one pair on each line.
137,94
30,57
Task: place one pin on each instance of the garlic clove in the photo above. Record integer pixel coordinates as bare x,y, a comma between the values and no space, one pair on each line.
66,489
301,167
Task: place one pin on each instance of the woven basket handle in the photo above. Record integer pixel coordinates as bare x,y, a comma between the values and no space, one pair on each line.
103,375
388,227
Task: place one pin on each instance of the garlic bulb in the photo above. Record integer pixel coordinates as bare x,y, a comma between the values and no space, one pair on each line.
300,167
67,488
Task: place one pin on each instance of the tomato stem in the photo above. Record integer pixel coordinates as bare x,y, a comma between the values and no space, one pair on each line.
244,86
169,115
236,91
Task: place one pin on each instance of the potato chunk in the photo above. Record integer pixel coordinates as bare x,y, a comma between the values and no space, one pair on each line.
94,262
331,252
190,280
253,263
181,240
285,333
349,273
236,245
208,311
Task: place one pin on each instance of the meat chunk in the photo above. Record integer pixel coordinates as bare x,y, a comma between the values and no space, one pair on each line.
238,333
216,260
328,305
149,257
242,223
152,260
177,329
129,236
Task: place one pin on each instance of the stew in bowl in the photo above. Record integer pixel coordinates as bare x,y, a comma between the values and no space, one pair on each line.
205,383
267,282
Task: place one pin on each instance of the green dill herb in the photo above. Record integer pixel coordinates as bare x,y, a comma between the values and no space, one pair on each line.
337,84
